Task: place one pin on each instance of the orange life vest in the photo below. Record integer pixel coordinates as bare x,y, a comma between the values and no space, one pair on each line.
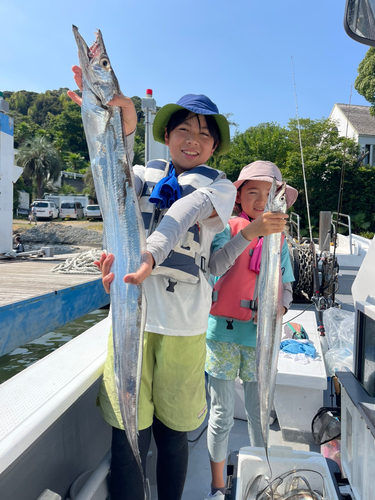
234,295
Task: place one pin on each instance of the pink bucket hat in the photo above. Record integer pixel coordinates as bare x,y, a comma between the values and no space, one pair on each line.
265,171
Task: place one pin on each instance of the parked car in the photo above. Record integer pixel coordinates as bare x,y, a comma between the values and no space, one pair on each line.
45,209
71,210
93,212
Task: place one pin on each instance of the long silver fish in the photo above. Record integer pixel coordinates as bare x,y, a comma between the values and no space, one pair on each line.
123,225
270,312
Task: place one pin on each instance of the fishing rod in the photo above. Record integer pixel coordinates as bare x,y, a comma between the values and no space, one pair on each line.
341,190
317,298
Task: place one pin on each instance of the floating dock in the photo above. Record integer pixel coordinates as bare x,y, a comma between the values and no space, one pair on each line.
34,300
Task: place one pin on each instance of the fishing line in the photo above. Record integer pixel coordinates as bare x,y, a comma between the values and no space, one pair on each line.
302,159
289,320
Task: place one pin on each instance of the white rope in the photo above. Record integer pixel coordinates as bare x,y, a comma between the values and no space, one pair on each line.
82,263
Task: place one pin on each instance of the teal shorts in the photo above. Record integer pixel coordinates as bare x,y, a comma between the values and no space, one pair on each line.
226,361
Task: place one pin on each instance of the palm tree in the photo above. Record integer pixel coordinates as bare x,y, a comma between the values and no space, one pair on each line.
40,161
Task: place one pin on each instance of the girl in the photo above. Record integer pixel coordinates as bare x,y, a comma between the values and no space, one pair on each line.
189,203
231,334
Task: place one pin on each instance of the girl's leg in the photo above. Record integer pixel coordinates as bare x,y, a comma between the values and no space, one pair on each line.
172,460
219,425
252,408
126,479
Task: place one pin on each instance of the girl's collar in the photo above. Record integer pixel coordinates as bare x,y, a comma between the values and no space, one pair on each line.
244,216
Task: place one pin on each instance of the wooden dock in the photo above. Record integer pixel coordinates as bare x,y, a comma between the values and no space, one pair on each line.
34,300
26,279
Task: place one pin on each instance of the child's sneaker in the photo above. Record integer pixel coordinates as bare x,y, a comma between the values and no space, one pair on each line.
218,495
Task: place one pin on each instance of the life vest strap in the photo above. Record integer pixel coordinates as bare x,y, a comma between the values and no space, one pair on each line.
250,304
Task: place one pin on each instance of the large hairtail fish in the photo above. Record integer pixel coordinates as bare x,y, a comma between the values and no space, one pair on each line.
270,312
123,225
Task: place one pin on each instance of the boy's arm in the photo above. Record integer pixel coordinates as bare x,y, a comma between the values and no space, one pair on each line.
129,114
222,194
183,214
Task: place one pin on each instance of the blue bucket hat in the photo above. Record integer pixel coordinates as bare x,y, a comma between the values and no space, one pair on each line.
199,104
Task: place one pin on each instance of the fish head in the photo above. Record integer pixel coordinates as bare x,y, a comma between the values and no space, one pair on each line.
97,72
279,202
277,198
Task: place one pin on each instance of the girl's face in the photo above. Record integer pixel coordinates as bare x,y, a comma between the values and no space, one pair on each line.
253,196
190,144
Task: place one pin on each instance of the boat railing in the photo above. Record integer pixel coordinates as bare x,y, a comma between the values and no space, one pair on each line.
294,220
341,223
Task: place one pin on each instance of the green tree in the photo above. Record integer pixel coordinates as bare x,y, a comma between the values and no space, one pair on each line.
40,161
46,104
365,81
75,162
89,184
324,154
67,129
139,151
66,189
266,141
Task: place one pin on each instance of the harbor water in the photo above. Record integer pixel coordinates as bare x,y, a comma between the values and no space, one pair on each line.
26,355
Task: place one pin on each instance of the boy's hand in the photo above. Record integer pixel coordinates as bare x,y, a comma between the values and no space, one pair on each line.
106,261
143,272
129,115
104,264
266,224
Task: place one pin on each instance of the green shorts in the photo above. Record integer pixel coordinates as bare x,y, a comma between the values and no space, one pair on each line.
172,383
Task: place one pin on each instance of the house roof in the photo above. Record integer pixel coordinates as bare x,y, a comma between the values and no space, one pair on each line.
360,118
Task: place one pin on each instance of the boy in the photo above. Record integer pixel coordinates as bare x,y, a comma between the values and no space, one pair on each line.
172,394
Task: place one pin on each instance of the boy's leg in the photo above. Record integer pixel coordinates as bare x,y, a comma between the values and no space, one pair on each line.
126,479
219,425
252,407
179,398
172,461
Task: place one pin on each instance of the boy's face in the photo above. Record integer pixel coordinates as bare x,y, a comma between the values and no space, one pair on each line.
253,197
190,144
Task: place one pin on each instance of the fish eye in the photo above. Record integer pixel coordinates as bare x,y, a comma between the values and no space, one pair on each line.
104,63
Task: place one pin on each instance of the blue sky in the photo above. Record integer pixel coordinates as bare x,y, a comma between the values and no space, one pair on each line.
238,52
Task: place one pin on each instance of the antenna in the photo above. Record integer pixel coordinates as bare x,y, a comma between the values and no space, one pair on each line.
303,163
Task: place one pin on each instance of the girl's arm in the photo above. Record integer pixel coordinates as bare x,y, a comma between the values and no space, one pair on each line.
287,296
228,250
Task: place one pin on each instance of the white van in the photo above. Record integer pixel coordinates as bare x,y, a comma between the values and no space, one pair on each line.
71,210
45,209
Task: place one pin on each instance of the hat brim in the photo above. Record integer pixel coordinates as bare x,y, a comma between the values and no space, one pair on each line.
164,114
290,192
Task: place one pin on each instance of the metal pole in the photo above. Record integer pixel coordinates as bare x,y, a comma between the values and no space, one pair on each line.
149,108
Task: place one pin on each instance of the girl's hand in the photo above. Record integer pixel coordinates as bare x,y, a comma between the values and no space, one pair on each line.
129,115
104,264
266,224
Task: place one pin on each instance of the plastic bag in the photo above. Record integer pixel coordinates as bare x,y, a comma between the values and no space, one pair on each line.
339,328
338,360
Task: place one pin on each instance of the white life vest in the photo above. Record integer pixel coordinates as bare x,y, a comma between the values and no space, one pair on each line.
185,260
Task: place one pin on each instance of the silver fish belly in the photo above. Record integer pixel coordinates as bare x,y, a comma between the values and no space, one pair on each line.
123,225
270,312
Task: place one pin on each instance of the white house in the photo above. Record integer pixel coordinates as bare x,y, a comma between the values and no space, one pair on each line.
356,123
